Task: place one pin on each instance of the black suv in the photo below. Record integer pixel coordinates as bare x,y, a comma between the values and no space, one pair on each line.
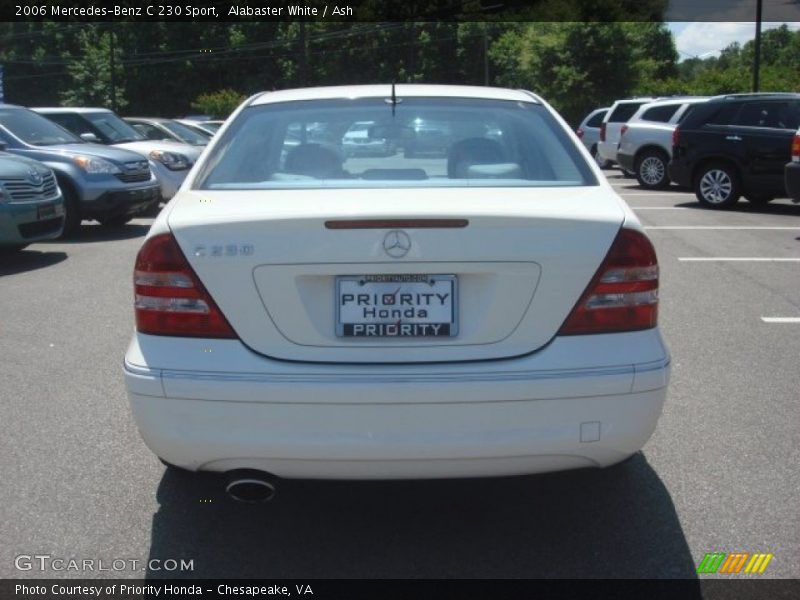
735,145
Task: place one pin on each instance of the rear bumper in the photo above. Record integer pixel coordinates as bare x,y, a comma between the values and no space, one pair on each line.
679,173
792,174
607,150
626,161
399,421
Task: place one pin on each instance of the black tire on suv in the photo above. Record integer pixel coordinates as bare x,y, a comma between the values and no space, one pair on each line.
651,170
716,185
72,211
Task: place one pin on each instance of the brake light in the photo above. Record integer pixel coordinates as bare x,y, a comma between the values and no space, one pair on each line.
623,294
169,297
623,130
796,148
603,132
580,132
676,136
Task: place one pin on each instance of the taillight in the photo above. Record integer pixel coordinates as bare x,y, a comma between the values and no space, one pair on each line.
796,148
623,130
603,132
623,294
676,136
580,133
169,298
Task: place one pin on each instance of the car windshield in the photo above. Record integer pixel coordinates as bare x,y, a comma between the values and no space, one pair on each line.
421,142
185,133
113,129
35,129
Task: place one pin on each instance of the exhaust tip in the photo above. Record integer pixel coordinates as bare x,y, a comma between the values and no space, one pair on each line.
250,486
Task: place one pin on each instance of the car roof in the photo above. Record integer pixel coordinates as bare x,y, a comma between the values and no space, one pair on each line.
677,100
401,91
75,109
756,96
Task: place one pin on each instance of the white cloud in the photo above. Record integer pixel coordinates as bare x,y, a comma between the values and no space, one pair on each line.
707,39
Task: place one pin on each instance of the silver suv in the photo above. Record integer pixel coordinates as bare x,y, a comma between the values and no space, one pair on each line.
615,118
170,161
645,145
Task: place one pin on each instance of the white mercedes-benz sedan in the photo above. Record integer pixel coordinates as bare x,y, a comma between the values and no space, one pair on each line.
489,309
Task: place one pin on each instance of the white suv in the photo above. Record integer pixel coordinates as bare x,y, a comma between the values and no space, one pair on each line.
615,118
645,145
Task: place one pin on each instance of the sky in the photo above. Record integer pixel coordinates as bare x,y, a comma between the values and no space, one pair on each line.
706,39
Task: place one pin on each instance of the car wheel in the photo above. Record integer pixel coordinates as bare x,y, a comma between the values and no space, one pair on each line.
601,162
717,186
651,170
759,198
115,221
72,212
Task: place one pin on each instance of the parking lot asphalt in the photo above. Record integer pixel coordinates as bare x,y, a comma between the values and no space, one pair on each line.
719,474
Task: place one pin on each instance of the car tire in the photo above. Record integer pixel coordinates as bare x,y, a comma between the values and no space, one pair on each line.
651,170
72,211
759,198
115,221
716,185
601,162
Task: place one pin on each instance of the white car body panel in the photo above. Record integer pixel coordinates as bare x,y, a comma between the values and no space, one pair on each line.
544,239
607,148
278,400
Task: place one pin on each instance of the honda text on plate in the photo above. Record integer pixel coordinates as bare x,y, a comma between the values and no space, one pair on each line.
487,310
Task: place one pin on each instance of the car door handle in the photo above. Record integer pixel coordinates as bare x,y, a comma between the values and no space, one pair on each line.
733,138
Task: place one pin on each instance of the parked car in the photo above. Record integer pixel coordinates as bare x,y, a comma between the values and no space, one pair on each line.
31,205
645,145
154,128
428,137
589,133
110,185
392,318
210,126
610,129
358,141
792,170
170,161
736,145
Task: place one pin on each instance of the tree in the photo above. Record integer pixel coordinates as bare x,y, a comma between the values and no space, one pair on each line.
219,104
92,81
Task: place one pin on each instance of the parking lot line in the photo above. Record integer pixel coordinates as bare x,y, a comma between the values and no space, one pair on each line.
659,207
781,319
723,227
648,194
734,259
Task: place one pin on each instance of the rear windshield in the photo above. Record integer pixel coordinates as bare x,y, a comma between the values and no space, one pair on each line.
623,112
423,142
597,119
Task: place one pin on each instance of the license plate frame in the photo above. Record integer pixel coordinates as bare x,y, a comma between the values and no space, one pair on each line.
424,291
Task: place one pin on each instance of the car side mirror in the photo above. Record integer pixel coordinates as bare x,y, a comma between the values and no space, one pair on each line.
90,137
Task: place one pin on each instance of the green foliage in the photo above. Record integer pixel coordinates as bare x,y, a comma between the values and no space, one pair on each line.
219,104
93,79
165,68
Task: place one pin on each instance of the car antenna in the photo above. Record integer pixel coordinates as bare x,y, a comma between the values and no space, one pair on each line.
394,100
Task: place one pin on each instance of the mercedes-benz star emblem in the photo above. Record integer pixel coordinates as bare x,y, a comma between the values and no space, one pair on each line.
34,177
397,243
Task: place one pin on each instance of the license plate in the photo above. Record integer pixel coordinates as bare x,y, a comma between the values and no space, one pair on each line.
45,211
396,306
